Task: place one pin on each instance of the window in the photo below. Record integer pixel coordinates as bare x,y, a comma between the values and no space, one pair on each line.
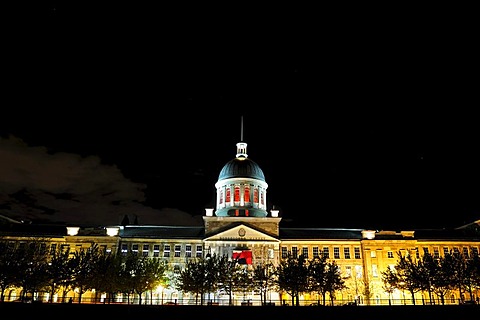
246,194
374,271
294,252
221,197
436,253
357,252
326,252
166,251
237,194
124,248
145,249
255,195
315,252
53,248
227,197
336,252
156,250
43,248
390,255
199,251
188,251
358,271
373,254
305,252
348,271
346,253
284,252
178,249
465,252
446,251
425,250
456,251
474,251
135,249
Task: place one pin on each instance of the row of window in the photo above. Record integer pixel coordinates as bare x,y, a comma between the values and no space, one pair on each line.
325,252
167,250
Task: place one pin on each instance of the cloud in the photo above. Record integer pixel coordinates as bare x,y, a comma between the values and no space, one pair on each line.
40,186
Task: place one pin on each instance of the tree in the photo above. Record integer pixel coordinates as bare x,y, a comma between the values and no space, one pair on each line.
333,280
31,267
264,280
390,281
83,263
317,270
8,267
192,279
409,275
58,270
229,277
293,277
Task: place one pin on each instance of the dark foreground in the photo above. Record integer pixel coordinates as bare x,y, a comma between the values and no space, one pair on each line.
94,311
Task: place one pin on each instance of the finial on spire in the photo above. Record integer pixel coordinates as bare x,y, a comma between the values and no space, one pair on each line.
241,146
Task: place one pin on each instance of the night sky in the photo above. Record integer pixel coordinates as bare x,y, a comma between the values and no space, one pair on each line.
357,123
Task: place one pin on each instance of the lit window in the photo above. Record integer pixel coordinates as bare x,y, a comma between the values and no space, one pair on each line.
305,252
357,253
177,250
374,270
445,251
237,194
326,252
199,251
336,252
246,194
166,251
294,252
227,197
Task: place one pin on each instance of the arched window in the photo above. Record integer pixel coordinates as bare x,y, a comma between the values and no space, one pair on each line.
227,197
246,194
237,194
255,195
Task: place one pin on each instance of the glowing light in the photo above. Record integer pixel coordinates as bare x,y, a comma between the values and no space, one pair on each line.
72,231
112,232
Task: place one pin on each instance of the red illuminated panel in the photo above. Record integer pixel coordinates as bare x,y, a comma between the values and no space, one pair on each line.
243,257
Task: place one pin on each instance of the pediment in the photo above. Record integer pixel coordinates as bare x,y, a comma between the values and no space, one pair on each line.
241,233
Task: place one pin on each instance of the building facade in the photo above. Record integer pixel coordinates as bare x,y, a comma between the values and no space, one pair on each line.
241,226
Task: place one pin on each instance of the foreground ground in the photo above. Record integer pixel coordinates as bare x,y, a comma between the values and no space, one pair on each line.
65,311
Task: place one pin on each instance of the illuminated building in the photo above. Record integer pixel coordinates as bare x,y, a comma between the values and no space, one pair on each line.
241,227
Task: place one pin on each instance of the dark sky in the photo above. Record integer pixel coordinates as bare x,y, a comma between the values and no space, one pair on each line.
361,122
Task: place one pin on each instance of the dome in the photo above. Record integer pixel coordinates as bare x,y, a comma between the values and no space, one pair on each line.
241,167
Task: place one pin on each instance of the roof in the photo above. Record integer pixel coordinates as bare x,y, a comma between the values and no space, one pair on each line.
241,168
163,232
320,233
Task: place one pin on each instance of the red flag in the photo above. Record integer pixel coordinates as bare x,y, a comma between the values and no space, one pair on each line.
243,257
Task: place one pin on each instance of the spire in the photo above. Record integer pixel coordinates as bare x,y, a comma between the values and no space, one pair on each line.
241,146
